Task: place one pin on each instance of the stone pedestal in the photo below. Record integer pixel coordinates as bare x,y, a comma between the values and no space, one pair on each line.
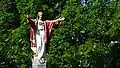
39,65
36,64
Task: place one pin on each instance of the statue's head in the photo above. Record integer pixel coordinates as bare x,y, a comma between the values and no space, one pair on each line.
40,15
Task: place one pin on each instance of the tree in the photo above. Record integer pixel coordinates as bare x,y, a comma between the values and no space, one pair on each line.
83,40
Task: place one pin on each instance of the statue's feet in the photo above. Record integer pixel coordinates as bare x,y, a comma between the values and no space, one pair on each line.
42,61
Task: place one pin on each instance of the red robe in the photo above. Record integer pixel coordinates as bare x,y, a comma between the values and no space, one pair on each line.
48,25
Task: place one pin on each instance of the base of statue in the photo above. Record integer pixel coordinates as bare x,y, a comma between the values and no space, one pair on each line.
39,65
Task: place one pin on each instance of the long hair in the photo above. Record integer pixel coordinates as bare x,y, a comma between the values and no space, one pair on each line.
43,15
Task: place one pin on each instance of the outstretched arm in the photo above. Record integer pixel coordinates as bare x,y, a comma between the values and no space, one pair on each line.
60,19
30,21
55,22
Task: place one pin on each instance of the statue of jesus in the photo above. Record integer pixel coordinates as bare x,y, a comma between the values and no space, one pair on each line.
40,34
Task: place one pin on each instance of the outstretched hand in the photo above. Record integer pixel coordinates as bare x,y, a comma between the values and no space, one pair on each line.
27,16
61,19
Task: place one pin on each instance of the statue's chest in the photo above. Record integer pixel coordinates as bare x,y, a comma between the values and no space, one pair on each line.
40,25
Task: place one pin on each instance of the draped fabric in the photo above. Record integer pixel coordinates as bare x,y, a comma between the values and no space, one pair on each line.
48,25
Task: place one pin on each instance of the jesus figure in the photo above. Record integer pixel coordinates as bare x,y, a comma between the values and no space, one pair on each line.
40,34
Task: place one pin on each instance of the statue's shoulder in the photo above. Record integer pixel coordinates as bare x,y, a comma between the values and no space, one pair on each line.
48,20
34,20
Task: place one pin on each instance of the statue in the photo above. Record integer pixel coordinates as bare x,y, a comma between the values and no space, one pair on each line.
40,34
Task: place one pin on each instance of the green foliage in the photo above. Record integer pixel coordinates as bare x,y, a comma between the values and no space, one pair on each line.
83,40
4,34
14,42
89,31
8,5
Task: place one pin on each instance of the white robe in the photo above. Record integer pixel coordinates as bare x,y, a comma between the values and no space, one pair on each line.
40,42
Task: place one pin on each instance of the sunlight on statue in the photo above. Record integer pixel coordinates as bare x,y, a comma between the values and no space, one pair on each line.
40,34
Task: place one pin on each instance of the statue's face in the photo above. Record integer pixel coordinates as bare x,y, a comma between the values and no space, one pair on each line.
40,15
